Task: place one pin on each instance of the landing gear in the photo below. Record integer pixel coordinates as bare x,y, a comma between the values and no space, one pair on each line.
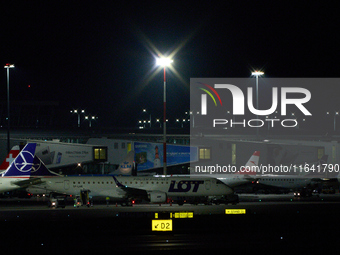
128,203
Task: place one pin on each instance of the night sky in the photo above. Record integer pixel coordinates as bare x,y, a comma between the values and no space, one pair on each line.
100,55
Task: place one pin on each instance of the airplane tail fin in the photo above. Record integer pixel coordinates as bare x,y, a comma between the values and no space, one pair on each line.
127,166
320,171
40,170
10,157
22,164
251,167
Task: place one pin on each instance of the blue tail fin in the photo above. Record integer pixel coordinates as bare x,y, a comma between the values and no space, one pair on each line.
39,169
22,164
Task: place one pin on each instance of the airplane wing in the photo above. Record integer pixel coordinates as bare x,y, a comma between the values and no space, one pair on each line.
131,192
28,182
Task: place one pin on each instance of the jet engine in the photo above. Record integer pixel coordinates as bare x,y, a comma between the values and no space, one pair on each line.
156,196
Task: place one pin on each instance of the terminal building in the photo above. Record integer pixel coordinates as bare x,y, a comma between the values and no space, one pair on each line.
74,154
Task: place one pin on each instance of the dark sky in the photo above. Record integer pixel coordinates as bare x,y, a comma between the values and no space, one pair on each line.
99,55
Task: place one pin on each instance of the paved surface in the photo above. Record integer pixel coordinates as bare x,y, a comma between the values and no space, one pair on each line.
272,223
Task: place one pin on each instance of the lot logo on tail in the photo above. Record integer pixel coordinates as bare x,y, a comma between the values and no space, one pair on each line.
22,165
24,161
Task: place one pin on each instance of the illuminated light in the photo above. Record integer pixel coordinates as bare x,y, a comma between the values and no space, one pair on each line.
257,73
235,211
156,54
161,225
164,61
9,65
183,215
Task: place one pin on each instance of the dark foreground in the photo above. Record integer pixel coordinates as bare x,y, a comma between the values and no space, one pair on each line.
269,228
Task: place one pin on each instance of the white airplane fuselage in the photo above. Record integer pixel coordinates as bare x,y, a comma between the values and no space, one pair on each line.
288,182
107,186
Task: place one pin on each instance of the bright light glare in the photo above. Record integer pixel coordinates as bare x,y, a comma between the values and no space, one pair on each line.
257,73
164,61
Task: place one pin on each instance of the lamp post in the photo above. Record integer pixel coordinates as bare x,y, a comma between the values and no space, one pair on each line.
164,62
90,119
257,74
335,115
8,66
334,121
78,113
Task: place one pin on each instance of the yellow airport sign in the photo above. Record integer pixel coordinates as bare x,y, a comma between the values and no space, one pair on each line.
235,211
161,225
183,215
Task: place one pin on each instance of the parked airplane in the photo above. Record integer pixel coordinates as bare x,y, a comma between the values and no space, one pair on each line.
129,188
246,174
18,174
293,182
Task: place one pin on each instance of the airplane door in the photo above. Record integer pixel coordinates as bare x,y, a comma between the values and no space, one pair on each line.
207,184
66,184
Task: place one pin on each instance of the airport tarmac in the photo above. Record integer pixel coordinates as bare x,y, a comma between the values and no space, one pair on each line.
271,223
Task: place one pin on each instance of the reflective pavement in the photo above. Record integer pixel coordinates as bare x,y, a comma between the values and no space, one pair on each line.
272,223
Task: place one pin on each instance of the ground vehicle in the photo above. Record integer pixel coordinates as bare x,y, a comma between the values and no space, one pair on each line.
58,201
77,201
327,189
